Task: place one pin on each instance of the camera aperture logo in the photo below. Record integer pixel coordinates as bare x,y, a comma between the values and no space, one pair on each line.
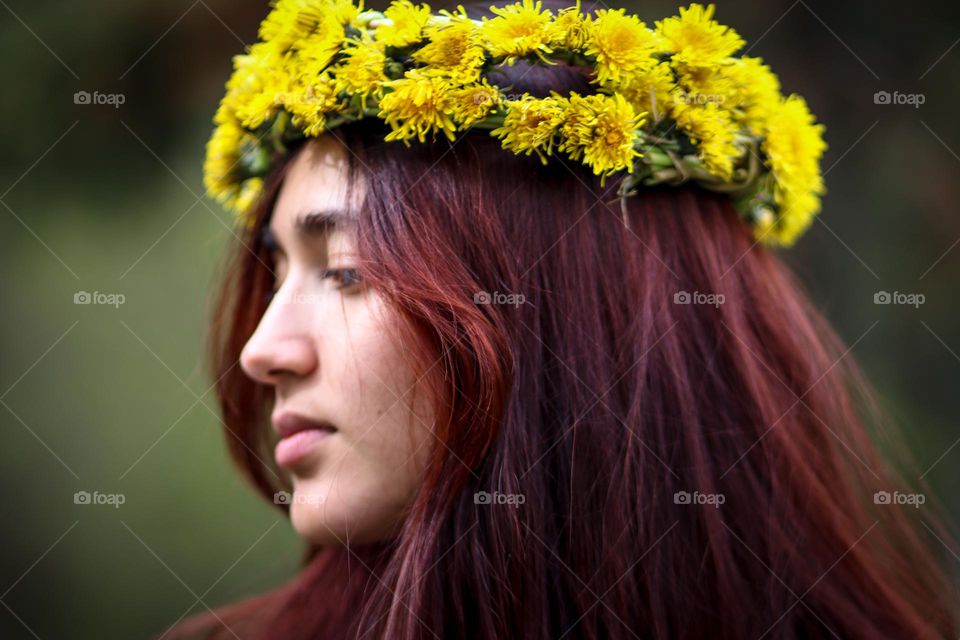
512,499
87,498
96,98
97,297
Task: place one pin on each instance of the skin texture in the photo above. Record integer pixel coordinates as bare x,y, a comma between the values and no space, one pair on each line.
325,347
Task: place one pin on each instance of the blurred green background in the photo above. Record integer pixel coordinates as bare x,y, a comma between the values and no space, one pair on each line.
107,198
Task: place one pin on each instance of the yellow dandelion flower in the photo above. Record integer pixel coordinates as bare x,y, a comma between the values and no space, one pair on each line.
224,114
575,125
407,21
622,45
362,70
651,91
530,125
603,130
311,88
453,50
793,144
756,91
254,85
345,11
569,29
519,29
318,49
222,171
416,105
714,133
291,21
474,102
309,99
219,176
698,86
696,39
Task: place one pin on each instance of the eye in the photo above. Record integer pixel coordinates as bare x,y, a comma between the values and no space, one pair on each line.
342,278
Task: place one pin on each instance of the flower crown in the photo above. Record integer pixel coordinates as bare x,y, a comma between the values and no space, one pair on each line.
672,103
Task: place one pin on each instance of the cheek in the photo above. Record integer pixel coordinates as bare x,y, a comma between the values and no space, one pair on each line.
388,416
385,422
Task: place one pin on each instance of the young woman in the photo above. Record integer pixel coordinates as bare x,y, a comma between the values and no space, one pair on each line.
502,399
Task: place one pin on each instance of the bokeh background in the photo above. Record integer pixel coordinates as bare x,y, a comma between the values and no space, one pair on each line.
107,198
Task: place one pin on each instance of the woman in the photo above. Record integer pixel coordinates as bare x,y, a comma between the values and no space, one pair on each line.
514,396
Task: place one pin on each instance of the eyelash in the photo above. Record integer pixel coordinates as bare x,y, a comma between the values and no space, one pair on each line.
336,274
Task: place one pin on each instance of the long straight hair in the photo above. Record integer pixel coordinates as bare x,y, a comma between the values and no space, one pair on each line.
644,427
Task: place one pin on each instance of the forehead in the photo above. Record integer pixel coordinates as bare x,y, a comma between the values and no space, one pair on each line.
316,180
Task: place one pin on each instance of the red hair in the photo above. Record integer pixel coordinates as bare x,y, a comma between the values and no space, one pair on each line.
601,399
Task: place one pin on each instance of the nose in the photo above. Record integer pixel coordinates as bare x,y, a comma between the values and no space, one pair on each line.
282,346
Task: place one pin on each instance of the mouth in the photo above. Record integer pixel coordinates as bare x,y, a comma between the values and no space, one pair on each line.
299,436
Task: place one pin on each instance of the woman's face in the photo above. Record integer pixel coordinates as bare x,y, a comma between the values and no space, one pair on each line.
350,434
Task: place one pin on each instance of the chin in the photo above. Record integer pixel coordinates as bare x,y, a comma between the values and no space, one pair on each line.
329,521
310,515
314,527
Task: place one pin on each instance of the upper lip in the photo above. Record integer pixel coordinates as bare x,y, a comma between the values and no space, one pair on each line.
287,423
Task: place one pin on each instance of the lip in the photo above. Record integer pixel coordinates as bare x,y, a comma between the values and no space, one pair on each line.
299,436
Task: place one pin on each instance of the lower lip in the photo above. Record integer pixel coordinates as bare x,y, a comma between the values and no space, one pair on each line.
298,445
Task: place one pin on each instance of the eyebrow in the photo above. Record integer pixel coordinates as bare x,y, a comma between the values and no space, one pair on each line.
312,223
321,221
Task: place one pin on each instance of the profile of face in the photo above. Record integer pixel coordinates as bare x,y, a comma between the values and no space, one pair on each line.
354,430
